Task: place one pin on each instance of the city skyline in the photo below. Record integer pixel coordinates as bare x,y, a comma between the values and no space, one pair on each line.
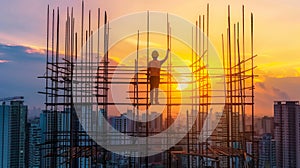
286,112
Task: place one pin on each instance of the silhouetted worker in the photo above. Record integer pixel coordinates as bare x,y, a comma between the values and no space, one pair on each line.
154,74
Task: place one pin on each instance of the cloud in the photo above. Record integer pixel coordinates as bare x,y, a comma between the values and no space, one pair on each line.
33,51
21,53
19,70
279,69
4,61
280,94
275,89
261,85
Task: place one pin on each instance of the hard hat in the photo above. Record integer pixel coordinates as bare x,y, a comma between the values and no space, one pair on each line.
155,54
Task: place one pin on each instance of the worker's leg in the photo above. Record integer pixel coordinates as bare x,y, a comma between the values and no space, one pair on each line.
156,96
157,79
151,89
151,96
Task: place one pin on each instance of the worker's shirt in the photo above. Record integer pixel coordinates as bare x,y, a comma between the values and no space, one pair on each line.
154,68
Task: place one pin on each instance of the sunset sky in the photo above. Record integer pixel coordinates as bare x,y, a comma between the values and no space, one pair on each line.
276,31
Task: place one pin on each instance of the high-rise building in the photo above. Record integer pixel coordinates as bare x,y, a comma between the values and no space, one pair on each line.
267,151
55,128
155,122
34,141
287,133
13,131
120,123
264,125
51,125
268,125
4,138
17,134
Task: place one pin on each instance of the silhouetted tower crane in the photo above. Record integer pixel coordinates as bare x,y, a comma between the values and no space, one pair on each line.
5,99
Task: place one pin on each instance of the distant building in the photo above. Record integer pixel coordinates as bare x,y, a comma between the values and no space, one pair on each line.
155,125
124,125
55,139
17,134
287,133
34,141
268,125
4,138
264,125
267,151
13,135
121,123
51,126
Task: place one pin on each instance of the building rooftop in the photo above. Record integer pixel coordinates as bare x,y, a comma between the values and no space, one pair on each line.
286,102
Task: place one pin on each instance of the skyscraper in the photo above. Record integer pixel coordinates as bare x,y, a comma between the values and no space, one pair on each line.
267,151
287,133
268,124
13,129
55,128
4,139
52,125
17,134
34,141
264,125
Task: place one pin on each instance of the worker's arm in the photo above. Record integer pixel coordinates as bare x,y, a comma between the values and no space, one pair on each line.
166,57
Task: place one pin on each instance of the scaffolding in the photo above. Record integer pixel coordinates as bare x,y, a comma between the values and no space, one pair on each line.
78,86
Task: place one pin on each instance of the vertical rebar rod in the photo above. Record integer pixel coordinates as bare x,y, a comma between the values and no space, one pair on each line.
137,74
106,35
52,83
81,60
241,90
193,87
147,101
90,51
66,35
188,139
252,77
199,87
224,67
201,116
223,56
207,74
203,38
235,98
230,81
169,80
82,25
47,67
195,131
137,83
98,77
85,109
92,115
168,96
47,59
52,57
56,91
205,107
228,97
244,65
